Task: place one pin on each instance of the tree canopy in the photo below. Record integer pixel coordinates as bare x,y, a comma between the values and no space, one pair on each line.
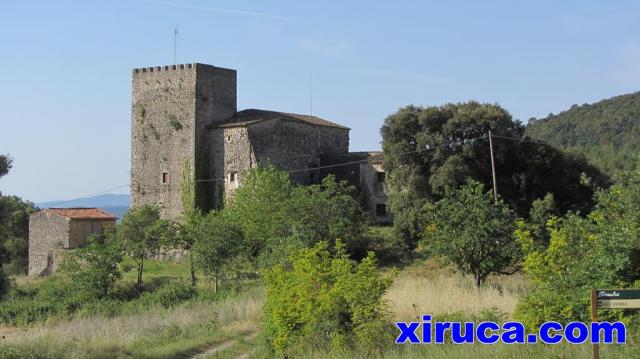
428,150
606,132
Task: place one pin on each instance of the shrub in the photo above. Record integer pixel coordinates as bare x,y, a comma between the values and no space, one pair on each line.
326,300
94,268
599,251
169,295
5,283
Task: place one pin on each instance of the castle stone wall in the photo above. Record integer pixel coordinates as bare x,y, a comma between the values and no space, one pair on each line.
171,107
293,146
47,233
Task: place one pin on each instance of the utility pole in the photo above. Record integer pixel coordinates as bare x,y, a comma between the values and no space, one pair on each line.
493,169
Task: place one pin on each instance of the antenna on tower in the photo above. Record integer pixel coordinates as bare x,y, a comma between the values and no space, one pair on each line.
310,96
175,46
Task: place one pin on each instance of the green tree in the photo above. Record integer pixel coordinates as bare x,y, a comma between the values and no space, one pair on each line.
217,242
325,299
277,216
141,233
475,234
5,164
599,251
606,132
14,232
94,269
428,150
14,226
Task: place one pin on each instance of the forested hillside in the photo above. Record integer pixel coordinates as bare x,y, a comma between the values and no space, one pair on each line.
606,132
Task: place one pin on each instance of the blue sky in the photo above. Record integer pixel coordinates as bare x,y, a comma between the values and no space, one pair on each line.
66,67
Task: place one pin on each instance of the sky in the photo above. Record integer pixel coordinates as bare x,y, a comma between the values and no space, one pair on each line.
65,68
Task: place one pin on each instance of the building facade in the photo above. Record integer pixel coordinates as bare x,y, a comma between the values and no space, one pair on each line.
54,230
184,121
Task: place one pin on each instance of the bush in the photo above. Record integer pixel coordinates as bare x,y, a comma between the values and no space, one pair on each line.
5,283
599,251
169,295
326,300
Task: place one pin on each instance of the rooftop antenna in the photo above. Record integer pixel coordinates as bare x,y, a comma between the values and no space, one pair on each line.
310,96
175,46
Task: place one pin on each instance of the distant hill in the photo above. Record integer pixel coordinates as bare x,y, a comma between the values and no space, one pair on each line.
606,132
117,204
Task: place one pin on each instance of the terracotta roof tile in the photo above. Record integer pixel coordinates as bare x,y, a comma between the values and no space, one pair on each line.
82,213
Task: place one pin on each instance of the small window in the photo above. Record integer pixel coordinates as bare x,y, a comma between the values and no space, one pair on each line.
228,138
380,177
165,177
232,177
381,210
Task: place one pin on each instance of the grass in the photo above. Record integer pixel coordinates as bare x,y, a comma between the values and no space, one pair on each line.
156,333
231,322
426,287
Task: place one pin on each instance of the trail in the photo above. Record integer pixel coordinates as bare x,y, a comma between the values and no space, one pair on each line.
224,346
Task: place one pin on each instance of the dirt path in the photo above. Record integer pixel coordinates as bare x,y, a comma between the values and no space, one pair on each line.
224,346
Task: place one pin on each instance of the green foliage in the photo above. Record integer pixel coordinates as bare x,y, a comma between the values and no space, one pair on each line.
325,300
170,295
468,229
141,232
599,251
14,232
94,269
5,283
278,217
5,164
420,167
606,132
217,241
174,123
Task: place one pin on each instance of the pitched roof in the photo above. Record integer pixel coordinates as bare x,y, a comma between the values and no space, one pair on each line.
251,116
81,213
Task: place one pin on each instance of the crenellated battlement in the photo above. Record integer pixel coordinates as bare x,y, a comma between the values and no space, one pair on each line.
164,68
154,69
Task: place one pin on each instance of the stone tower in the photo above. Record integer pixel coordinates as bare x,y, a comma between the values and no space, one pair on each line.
171,107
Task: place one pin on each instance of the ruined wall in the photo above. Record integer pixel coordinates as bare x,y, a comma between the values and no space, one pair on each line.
48,232
374,191
171,107
81,229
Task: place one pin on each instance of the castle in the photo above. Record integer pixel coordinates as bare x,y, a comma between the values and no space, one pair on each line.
185,117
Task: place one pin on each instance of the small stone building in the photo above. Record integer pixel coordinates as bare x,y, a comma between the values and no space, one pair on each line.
185,117
54,230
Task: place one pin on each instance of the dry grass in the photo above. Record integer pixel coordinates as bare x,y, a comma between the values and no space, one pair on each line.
232,315
427,287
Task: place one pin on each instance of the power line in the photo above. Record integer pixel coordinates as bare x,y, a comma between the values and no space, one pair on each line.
426,148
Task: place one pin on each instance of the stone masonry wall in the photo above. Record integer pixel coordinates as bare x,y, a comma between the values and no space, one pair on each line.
171,107
81,229
374,191
293,146
48,232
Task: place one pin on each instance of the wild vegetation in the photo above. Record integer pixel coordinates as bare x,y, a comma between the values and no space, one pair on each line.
606,132
14,227
428,150
299,271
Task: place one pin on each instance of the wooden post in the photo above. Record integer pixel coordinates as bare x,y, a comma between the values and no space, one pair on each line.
493,169
594,318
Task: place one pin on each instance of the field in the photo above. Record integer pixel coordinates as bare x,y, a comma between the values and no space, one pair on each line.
227,325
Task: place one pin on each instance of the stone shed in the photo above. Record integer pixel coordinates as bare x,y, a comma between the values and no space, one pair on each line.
53,230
